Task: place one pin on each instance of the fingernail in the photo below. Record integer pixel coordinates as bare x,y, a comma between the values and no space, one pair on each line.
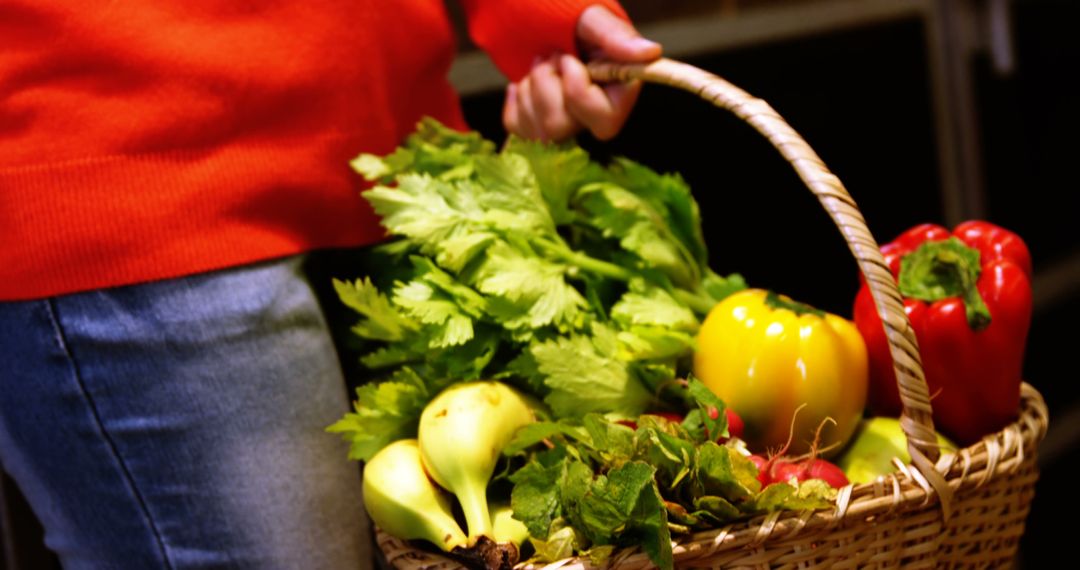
643,44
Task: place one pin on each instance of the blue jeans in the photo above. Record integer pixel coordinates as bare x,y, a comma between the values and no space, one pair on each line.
180,425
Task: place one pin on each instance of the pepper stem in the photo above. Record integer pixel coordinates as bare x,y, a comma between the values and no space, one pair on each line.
777,301
943,269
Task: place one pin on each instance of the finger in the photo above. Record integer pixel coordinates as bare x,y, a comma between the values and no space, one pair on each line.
547,97
527,111
603,34
510,115
622,97
585,100
588,102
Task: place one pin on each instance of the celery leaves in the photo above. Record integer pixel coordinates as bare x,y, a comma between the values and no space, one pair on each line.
580,283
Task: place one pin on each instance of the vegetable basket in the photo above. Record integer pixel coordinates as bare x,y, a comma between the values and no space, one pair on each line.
952,510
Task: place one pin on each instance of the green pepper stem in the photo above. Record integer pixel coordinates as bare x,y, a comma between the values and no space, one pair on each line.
781,302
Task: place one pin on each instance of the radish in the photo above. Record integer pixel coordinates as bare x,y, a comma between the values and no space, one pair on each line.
811,468
762,465
734,423
780,469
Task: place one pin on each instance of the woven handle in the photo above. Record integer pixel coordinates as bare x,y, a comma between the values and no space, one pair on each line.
916,420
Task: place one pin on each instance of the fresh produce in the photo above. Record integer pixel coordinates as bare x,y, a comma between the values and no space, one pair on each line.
593,484
734,422
875,443
462,434
403,501
779,467
505,529
579,283
580,286
768,356
778,470
968,296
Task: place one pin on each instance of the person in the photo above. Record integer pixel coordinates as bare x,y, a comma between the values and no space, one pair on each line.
166,375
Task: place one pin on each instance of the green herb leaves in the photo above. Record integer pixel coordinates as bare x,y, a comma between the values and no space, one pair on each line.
581,283
617,486
584,374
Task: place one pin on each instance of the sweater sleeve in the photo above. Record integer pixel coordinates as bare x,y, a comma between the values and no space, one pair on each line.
515,32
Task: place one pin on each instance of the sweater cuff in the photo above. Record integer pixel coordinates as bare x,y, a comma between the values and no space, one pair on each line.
516,32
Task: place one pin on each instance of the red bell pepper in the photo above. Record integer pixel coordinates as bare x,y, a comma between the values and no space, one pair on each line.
968,296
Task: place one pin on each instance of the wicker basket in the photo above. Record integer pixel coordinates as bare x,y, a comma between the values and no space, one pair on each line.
943,510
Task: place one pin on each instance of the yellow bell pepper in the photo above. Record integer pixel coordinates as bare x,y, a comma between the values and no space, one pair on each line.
766,355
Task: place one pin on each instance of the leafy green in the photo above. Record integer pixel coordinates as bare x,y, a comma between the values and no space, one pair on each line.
381,320
640,229
617,487
671,197
611,500
710,407
718,288
723,472
649,305
559,545
433,307
808,495
385,413
582,284
433,149
536,494
584,375
532,291
560,170
535,433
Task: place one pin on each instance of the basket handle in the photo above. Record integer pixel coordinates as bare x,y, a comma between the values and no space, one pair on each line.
916,419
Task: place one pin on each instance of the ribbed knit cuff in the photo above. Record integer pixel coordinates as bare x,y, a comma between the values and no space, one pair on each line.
516,32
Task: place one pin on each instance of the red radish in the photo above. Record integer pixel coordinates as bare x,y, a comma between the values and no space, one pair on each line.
780,469
811,468
762,465
734,423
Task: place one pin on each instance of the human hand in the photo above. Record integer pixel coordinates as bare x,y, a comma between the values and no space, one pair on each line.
557,98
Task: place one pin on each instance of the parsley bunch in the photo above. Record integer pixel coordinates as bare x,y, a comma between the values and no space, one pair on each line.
580,283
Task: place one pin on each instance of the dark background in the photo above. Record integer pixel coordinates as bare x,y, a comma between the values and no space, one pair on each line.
863,96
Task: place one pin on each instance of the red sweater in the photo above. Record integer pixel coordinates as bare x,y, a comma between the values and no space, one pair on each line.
159,138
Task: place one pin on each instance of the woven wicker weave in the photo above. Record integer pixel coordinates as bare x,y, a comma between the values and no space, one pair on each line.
944,511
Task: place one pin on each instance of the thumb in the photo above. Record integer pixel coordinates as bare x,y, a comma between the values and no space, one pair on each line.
603,34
